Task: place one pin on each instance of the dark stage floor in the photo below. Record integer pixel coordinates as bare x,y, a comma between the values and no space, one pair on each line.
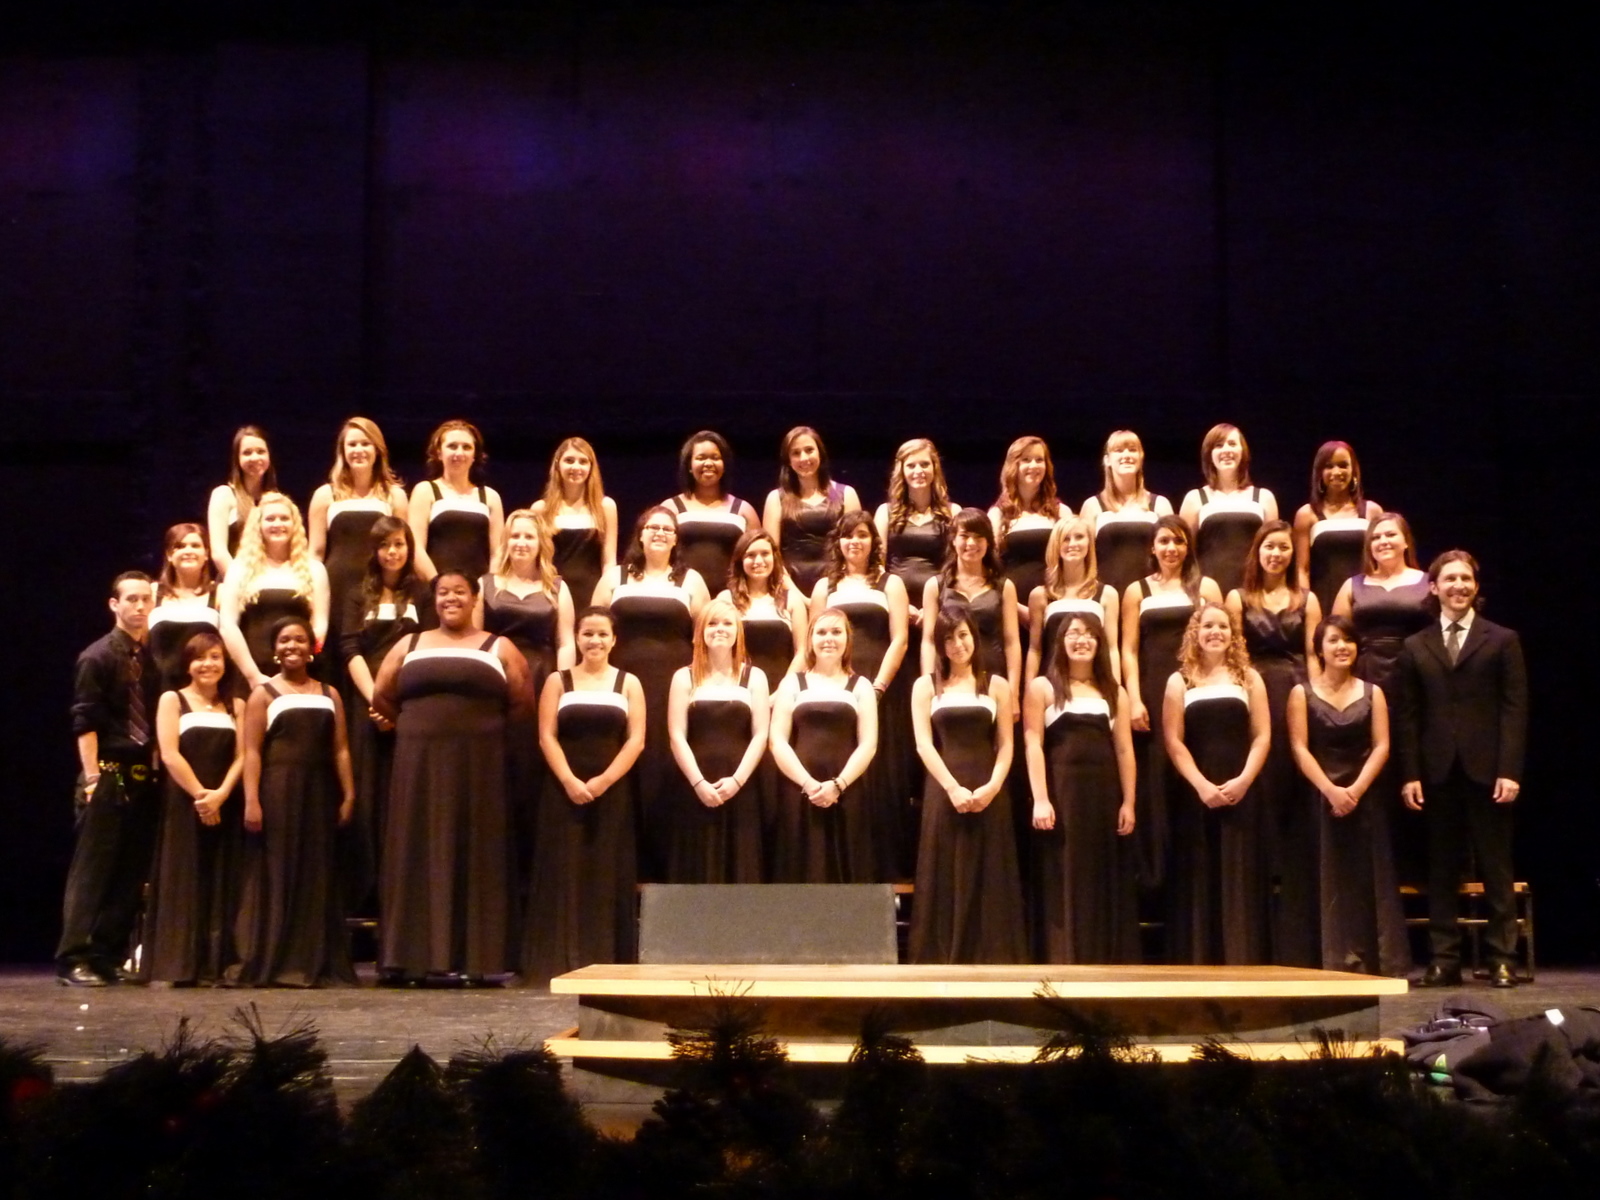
367,1029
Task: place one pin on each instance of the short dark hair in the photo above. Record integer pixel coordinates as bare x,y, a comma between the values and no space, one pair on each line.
595,610
1440,562
127,577
290,622
1333,621
472,580
686,458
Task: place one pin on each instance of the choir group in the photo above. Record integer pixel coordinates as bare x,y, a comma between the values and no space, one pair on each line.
485,727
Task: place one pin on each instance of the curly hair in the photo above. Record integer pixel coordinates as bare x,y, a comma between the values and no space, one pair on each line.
1010,502
1236,658
633,561
900,509
848,523
251,561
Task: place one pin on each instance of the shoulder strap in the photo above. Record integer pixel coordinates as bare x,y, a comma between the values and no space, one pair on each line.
679,505
1144,586
733,503
415,638
489,641
566,680
326,690
483,495
744,676
621,677
183,702
438,494
271,691
1205,494
1255,494
800,680
850,684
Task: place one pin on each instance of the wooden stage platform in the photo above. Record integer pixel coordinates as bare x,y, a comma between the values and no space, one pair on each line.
964,1015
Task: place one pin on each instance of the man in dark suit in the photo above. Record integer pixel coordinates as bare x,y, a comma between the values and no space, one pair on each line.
1463,726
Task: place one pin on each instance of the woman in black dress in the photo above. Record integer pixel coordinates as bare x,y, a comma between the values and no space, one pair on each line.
654,599
915,523
1224,513
802,510
824,733
298,790
717,715
1155,612
1277,617
969,894
361,488
391,603
875,603
581,518
1217,732
1339,730
711,519
251,475
454,517
1330,530
444,886
194,880
771,609
1122,511
592,730
972,574
272,577
186,603
1072,584
1081,771
1023,514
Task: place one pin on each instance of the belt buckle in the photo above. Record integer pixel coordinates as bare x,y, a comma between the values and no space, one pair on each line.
139,772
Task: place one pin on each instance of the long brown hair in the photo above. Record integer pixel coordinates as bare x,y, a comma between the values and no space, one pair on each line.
633,562
372,580
1009,501
594,491
971,520
384,480
739,582
1251,590
1236,658
952,615
1368,564
789,482
1190,575
1060,671
269,478
1213,439
848,523
1319,463
900,509
167,581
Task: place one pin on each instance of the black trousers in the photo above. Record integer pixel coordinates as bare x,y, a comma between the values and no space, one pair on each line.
110,865
1460,814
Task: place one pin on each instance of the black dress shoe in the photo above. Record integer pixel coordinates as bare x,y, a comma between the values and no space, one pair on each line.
1437,976
81,975
1500,976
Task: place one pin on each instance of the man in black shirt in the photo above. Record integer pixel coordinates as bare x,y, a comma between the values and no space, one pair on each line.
113,718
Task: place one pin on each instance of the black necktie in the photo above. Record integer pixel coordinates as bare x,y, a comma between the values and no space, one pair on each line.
1453,643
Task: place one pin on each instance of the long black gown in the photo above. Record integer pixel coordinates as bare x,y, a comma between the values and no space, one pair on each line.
368,633
968,906
1218,893
578,553
1163,616
655,636
1276,644
172,623
1122,544
1337,545
348,549
1384,618
833,844
583,908
706,537
291,921
1228,524
1363,928
721,844
1022,553
916,553
803,537
194,881
458,531
885,790
769,644
1085,875
444,885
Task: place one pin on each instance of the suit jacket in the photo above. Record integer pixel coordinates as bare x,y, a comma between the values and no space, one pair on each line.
1475,711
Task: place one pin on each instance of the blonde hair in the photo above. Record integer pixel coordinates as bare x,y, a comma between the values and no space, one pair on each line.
700,666
1121,439
594,491
1236,658
384,480
251,561
849,639
1054,587
544,565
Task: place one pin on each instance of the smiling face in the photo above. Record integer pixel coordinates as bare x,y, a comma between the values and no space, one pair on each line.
706,465
721,631
1123,459
1338,474
189,555
829,638
453,600
595,636
1388,544
1075,543
458,451
1275,555
1457,589
658,535
206,669
357,448
1031,466
1080,642
1215,633
254,457
757,561
1228,453
1337,650
522,542
917,470
958,646
804,456
574,466
971,547
292,648
277,524
855,546
393,553
1171,548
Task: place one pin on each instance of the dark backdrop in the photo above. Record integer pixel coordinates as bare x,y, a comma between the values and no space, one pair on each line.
963,220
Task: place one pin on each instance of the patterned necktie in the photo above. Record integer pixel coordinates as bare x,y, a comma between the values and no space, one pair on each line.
138,719
1453,642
